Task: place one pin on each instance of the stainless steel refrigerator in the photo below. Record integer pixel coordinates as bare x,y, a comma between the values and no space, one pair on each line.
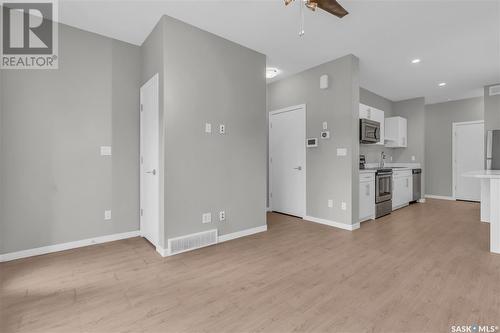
493,150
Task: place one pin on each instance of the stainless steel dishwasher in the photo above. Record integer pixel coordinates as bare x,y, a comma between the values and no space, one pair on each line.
417,184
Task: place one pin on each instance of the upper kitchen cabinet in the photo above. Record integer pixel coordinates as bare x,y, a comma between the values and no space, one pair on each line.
368,112
396,132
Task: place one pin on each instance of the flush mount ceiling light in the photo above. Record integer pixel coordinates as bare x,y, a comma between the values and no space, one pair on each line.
415,61
442,84
271,73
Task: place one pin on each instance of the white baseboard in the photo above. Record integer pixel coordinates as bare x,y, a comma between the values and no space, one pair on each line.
66,246
344,226
441,197
163,252
223,238
242,233
268,209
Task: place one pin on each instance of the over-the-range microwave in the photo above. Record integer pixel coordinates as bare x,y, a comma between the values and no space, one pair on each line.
369,131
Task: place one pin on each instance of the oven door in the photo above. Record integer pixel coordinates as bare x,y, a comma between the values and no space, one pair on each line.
383,188
369,131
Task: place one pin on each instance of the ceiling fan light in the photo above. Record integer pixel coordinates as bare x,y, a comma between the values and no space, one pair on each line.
312,5
287,2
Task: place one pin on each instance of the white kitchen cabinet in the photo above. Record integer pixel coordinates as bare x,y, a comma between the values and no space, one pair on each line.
371,113
366,196
402,191
396,132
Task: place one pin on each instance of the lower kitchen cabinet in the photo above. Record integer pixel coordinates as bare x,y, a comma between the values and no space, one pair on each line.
401,188
366,197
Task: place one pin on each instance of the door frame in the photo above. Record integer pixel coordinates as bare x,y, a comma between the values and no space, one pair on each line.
154,80
272,113
453,150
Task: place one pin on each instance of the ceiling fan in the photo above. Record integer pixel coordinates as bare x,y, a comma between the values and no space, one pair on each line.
330,6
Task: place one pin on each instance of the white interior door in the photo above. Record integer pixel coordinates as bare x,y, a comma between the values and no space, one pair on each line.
149,164
287,157
468,156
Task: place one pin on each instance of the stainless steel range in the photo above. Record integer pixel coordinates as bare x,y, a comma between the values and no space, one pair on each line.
383,192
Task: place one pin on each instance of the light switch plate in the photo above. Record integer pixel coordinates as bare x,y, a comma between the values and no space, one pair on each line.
208,128
206,218
105,150
413,158
341,151
325,125
323,81
107,215
330,203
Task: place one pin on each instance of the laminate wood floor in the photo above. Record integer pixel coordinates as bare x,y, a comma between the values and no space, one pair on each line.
420,269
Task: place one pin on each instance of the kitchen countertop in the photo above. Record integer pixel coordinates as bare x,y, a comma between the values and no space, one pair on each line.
483,174
367,170
373,170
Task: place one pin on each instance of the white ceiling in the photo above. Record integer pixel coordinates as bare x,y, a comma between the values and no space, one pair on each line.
458,41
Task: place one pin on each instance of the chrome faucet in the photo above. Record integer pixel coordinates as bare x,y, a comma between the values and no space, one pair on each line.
382,160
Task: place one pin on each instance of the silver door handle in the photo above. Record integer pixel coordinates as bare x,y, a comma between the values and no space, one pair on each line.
153,172
298,168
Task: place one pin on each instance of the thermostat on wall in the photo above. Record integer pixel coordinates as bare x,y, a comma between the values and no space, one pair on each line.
312,142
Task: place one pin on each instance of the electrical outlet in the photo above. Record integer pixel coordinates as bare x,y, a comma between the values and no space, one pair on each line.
222,129
222,215
105,150
107,215
330,203
341,151
208,128
344,206
413,158
206,218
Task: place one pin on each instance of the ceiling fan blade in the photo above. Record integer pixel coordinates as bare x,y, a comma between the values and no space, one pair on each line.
333,7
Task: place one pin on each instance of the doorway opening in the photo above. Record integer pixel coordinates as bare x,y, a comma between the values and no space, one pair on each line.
287,161
149,161
468,155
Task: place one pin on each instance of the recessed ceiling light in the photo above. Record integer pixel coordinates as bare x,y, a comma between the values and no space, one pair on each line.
442,84
271,72
415,61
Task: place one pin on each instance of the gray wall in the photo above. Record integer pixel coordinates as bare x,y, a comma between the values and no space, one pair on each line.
328,176
56,186
439,119
372,152
2,222
210,79
414,112
491,110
